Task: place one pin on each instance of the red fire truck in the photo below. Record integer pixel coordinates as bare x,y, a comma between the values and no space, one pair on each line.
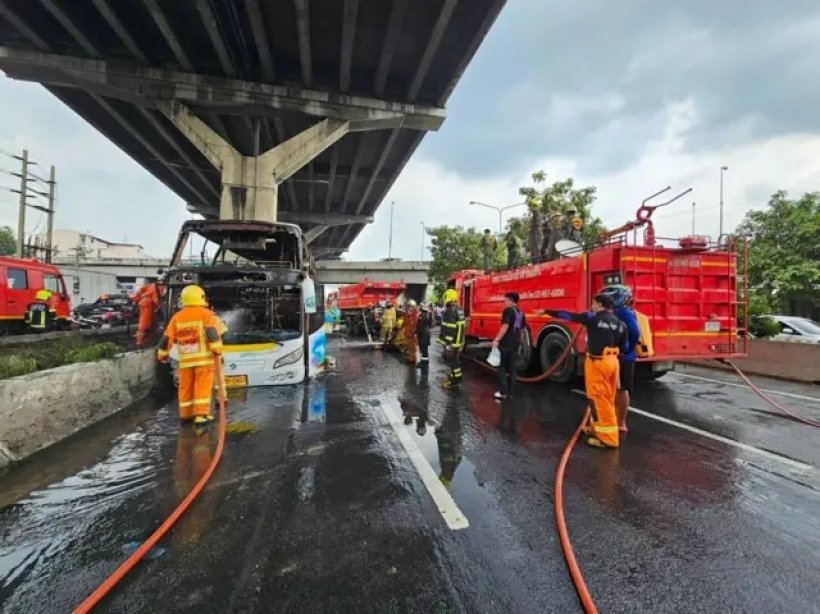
689,290
360,304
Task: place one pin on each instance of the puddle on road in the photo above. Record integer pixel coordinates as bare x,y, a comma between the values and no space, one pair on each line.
51,501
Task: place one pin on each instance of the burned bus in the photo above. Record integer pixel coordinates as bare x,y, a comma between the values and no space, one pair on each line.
259,280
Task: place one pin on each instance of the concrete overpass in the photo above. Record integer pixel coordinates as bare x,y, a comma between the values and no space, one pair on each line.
227,101
327,271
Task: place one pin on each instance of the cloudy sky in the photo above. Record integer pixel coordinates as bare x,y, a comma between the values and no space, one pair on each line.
629,96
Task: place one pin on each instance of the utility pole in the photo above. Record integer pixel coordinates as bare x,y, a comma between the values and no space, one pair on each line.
52,183
21,215
423,232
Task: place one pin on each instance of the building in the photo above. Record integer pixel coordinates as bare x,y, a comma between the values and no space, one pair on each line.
93,266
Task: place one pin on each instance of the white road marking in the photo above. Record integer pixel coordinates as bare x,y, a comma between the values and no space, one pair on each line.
718,381
448,509
732,442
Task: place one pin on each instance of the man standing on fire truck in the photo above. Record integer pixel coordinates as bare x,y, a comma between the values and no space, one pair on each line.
452,337
606,337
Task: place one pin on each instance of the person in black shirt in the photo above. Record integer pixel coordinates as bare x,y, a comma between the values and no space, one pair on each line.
423,327
507,342
606,337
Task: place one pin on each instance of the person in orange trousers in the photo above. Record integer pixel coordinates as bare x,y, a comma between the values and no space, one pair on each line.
194,330
606,336
411,321
147,299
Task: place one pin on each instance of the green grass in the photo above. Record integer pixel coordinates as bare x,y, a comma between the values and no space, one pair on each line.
23,360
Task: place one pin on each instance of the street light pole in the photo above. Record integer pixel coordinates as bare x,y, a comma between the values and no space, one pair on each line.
500,210
722,169
390,246
693,219
423,232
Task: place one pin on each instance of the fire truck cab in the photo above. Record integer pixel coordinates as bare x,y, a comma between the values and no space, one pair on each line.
20,279
688,292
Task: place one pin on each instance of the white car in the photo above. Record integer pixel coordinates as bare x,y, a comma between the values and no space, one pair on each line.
800,330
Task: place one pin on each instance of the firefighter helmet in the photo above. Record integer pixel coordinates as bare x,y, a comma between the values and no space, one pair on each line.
43,296
450,296
193,296
411,303
621,295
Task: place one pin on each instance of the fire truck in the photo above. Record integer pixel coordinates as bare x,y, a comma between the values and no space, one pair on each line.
360,304
688,290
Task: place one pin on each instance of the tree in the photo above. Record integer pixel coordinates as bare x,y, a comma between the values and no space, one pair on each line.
557,198
455,248
8,242
784,250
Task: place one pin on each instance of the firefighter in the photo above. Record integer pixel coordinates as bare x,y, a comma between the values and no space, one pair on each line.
573,226
41,315
622,301
606,337
488,247
388,322
148,301
194,330
556,233
513,245
423,328
411,320
536,231
452,337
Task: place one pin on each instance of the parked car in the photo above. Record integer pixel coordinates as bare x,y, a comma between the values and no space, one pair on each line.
107,311
795,329
20,280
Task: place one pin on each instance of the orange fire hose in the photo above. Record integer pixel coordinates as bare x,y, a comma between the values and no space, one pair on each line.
563,533
546,374
108,585
759,393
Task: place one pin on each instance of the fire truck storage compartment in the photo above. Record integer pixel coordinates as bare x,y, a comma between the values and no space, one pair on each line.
690,298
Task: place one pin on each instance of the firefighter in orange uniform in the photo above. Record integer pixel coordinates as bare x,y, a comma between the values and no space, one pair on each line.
194,330
606,337
147,298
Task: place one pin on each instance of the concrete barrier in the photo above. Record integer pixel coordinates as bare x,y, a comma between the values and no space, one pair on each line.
42,408
781,359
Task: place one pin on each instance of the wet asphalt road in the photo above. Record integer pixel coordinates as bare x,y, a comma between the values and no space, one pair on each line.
316,506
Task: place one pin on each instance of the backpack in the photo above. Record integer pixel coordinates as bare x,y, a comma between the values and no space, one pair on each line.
519,325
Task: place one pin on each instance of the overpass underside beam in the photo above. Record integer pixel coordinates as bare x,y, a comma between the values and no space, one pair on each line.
250,184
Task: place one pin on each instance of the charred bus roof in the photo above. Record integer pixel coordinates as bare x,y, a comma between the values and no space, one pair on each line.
232,275
264,244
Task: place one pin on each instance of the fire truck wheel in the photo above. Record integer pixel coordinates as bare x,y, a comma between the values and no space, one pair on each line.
644,372
550,351
524,351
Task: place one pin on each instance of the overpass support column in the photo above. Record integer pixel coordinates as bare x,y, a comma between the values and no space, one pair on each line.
250,184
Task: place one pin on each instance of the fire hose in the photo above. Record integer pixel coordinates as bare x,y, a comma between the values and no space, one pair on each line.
563,534
759,393
111,581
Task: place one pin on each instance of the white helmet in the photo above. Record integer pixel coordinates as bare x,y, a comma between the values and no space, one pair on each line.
411,303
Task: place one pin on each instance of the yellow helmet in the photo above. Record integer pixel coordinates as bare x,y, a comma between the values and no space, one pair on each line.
450,296
43,295
193,296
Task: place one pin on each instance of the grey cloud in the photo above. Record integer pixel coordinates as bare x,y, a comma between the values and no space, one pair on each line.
538,82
